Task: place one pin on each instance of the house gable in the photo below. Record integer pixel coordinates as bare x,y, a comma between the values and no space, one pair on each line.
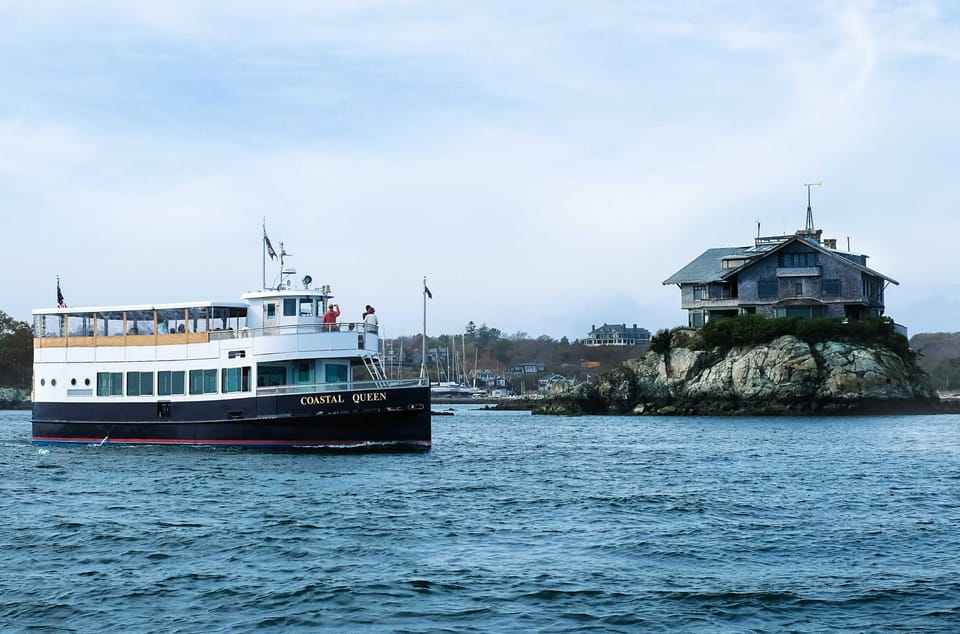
779,276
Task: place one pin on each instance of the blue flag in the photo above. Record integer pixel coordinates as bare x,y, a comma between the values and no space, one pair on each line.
270,251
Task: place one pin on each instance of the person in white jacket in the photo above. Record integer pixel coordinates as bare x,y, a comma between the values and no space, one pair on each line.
370,319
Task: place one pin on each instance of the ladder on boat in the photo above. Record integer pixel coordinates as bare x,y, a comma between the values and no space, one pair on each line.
372,363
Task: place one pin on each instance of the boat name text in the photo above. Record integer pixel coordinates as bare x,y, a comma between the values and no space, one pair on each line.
327,399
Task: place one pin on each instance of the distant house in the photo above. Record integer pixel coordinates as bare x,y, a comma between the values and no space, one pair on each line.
489,378
617,335
550,381
529,367
799,275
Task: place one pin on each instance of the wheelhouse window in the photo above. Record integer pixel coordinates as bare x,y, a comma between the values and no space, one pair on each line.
235,379
139,383
109,383
271,309
289,306
306,307
169,382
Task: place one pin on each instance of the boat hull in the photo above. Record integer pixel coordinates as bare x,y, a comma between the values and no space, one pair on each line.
389,420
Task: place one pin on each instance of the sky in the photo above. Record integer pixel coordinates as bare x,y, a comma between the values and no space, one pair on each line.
545,165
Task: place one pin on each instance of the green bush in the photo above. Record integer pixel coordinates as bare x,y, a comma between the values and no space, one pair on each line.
748,330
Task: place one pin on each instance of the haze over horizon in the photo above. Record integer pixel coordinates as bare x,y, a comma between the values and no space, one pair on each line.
546,166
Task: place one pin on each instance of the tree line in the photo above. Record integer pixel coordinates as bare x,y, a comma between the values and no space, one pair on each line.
453,357
16,352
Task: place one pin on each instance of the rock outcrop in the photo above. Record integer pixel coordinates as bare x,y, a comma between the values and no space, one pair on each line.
785,376
13,398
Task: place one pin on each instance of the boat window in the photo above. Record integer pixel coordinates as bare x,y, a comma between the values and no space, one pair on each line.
271,375
80,325
198,319
235,379
290,307
203,381
139,383
306,307
170,321
336,373
303,372
109,383
47,326
109,324
139,322
271,309
169,382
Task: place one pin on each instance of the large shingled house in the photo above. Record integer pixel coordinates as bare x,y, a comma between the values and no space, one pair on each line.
617,335
800,275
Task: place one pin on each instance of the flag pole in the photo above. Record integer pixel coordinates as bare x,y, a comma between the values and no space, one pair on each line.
423,352
263,257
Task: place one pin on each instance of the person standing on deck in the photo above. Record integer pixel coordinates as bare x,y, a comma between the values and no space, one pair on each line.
330,317
370,319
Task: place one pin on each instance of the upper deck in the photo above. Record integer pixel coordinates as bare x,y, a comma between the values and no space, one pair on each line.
264,313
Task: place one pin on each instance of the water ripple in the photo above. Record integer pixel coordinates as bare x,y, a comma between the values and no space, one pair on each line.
510,523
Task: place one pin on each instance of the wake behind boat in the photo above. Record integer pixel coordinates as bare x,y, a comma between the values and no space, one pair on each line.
263,372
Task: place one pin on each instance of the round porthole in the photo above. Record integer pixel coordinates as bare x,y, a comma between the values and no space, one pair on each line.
86,381
53,382
73,381
43,381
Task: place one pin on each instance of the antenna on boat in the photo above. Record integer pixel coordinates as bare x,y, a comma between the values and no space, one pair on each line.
285,271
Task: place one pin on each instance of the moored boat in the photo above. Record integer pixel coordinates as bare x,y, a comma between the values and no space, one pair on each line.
263,372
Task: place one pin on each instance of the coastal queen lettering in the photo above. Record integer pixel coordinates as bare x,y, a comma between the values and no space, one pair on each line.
321,399
333,399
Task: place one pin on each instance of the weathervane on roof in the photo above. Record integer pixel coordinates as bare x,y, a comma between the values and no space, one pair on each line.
810,227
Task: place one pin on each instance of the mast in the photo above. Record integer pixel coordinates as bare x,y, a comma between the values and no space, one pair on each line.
810,228
423,338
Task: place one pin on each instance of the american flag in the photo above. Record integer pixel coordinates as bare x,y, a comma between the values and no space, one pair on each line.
60,302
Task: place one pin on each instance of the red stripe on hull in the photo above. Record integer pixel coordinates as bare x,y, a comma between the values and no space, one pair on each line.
261,443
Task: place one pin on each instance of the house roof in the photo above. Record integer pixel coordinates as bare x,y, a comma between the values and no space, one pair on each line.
621,328
708,268
816,246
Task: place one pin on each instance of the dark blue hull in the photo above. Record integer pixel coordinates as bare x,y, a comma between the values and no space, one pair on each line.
389,419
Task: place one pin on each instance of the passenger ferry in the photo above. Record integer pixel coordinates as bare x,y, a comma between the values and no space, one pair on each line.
263,372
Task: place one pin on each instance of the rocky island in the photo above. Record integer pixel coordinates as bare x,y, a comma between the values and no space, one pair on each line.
753,366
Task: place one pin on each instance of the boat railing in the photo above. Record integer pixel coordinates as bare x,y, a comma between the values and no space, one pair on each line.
355,328
345,386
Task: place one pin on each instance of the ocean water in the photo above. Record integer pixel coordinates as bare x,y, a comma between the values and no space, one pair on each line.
511,523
